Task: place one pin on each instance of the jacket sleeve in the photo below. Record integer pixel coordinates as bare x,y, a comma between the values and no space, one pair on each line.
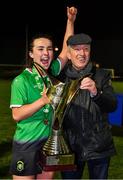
106,98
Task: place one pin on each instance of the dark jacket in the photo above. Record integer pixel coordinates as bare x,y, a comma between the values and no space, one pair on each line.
85,124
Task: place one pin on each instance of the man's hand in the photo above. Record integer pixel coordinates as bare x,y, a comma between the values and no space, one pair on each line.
89,84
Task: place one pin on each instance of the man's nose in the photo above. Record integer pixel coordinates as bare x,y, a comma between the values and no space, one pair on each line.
81,51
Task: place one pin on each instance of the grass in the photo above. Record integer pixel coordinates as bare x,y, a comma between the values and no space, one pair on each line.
118,86
7,124
115,170
7,127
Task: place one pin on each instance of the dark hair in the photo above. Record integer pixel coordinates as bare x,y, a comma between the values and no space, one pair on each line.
37,36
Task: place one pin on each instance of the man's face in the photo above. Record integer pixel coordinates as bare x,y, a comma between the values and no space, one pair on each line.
42,52
79,55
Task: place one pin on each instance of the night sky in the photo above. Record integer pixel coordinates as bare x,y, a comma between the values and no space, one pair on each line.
102,20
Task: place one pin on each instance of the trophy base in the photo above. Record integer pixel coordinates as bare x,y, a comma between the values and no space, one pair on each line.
62,162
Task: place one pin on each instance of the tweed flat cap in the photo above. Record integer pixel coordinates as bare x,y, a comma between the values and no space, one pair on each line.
78,39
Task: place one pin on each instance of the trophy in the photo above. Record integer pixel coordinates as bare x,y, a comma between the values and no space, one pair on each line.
56,154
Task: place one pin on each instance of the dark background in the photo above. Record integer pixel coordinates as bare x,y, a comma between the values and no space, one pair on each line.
102,20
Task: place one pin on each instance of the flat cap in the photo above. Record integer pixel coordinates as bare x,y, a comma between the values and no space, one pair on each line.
78,39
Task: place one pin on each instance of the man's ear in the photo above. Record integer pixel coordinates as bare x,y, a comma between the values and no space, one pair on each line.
30,54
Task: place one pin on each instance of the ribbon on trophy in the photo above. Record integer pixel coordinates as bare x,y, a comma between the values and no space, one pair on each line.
56,153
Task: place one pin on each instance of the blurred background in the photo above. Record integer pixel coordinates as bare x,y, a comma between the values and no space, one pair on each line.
102,20
19,21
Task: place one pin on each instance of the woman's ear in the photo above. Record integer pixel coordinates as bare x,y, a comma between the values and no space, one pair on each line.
30,54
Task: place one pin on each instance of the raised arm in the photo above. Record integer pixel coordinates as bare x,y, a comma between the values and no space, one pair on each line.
71,16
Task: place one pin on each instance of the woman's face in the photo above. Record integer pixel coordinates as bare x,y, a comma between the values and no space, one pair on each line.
42,52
